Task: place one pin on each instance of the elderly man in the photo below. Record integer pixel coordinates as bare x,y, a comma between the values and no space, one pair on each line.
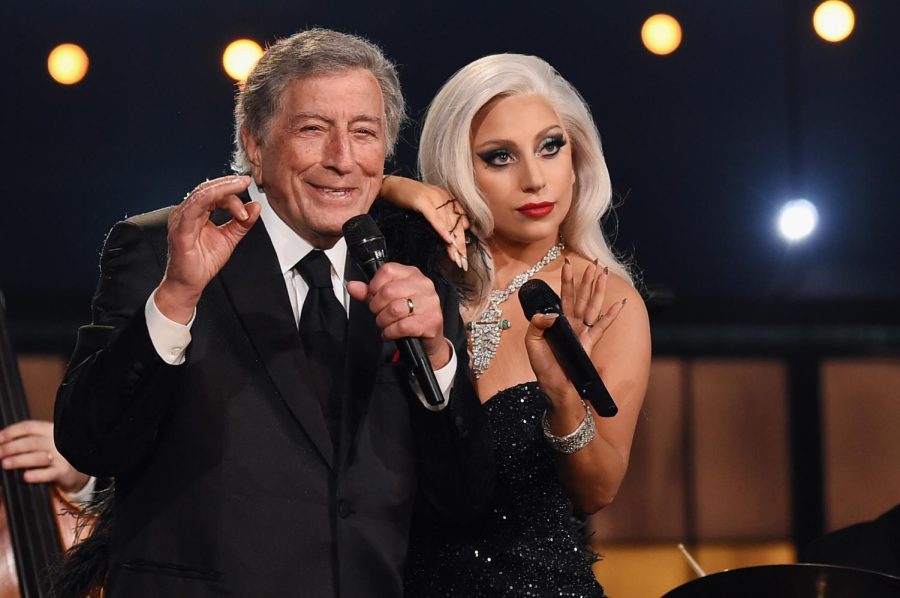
264,438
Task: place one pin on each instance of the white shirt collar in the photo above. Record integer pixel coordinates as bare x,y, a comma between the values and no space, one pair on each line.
289,246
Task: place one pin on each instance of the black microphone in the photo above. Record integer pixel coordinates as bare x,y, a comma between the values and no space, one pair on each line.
368,249
536,296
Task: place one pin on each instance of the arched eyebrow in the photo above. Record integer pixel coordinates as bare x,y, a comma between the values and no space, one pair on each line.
491,143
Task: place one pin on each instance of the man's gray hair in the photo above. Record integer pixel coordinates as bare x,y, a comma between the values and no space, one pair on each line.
307,54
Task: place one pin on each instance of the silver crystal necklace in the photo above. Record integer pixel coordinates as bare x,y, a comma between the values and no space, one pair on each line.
484,333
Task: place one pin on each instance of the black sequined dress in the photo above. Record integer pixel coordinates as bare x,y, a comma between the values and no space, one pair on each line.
526,545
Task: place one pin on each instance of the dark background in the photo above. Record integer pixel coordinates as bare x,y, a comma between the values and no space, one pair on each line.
703,145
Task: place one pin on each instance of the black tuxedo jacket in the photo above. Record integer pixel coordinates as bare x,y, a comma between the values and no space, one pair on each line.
227,482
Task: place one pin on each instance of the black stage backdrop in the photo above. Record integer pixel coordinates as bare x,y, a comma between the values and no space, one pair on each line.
703,145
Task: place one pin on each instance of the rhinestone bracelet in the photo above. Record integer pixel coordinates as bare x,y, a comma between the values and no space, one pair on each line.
575,441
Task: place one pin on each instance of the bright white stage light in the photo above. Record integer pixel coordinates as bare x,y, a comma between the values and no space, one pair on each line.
797,219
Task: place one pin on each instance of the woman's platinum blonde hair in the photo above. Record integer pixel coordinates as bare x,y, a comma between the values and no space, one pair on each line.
307,54
445,156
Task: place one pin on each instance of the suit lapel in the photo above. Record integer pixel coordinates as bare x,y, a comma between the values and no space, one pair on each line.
255,286
365,353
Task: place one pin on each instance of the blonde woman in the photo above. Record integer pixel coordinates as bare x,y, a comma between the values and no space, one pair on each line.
510,151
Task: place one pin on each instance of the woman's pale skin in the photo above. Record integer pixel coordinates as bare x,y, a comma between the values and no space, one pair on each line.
524,169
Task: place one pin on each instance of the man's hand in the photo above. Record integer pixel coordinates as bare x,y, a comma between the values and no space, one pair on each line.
29,445
405,304
198,248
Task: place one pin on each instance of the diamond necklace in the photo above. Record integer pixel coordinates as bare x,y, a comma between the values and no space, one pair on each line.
484,333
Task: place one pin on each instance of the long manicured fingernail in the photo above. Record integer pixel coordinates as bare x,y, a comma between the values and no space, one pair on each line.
625,300
244,214
549,316
465,262
567,260
596,261
605,269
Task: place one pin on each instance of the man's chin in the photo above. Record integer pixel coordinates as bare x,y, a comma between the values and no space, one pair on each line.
339,217
329,225
327,235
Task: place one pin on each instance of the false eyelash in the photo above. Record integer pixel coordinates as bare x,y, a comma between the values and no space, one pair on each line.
558,140
488,157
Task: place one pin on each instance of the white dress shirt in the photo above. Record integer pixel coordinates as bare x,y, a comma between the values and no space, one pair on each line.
171,339
83,496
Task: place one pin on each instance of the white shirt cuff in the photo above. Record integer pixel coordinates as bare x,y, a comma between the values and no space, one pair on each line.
170,339
444,377
82,496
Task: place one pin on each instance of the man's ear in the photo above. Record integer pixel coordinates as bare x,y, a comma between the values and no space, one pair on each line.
254,154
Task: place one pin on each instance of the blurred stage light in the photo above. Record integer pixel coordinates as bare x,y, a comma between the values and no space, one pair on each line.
661,34
239,58
834,20
67,64
797,219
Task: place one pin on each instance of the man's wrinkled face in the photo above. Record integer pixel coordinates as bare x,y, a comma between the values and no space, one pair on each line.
323,158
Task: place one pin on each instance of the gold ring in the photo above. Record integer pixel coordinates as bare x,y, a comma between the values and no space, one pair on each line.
597,321
410,306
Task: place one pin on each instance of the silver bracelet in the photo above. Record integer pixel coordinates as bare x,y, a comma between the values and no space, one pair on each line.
575,441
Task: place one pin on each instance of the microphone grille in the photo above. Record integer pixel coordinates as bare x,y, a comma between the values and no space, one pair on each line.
536,296
360,232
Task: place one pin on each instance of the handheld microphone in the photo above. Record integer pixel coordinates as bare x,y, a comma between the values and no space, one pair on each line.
536,296
368,249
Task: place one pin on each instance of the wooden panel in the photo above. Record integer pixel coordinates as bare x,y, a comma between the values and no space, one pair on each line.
41,376
650,504
861,439
741,458
652,569
716,557
641,570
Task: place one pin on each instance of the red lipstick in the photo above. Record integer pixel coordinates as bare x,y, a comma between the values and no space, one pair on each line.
536,210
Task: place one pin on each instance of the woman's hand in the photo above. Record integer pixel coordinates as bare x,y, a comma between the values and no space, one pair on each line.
29,445
584,311
592,475
584,308
440,209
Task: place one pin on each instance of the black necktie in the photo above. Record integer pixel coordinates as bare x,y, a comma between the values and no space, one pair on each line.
323,328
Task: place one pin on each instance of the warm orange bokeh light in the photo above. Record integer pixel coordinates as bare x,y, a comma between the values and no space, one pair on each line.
240,57
834,20
67,64
661,34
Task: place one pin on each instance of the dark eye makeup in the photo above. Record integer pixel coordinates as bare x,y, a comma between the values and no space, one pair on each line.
548,148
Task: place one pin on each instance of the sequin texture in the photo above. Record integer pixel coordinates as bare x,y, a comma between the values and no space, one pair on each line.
525,546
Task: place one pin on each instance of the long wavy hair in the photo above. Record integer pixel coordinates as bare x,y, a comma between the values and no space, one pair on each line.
445,159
